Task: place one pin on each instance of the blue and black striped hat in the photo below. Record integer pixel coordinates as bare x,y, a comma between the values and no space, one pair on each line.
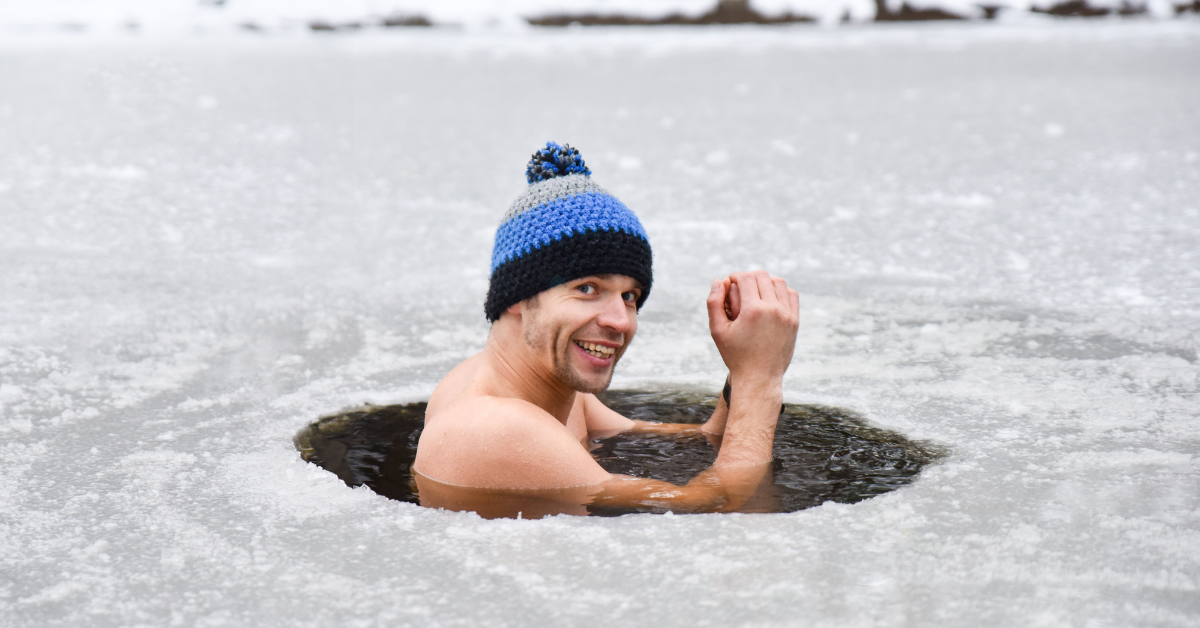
562,228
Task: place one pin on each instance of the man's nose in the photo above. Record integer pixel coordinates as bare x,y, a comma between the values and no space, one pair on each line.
615,315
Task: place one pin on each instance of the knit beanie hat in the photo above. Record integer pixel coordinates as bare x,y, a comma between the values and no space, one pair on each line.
562,228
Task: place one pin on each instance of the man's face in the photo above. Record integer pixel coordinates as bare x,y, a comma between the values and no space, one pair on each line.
582,328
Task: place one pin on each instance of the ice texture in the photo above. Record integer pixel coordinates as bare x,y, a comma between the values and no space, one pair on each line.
205,244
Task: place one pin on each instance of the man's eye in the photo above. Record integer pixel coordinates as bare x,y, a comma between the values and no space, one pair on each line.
629,296
587,289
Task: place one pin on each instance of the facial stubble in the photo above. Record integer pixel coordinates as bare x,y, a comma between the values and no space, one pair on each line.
538,332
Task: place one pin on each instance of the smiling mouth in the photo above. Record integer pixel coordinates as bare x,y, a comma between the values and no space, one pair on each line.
595,350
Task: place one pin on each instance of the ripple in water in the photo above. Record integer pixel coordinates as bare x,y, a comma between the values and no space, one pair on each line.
821,453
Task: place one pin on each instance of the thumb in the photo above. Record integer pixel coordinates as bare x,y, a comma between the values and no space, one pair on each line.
716,305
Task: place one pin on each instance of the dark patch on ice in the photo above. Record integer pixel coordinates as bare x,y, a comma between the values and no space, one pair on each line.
725,12
821,454
1081,8
392,21
990,11
908,13
323,26
1127,9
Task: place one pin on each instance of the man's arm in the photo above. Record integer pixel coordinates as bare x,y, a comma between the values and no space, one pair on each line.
754,328
711,491
756,338
600,418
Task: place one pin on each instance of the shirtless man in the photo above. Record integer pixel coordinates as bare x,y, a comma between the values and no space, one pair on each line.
570,270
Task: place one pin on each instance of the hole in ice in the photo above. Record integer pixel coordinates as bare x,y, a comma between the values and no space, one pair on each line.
821,454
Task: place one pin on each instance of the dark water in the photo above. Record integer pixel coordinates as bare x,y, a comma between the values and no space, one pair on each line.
821,454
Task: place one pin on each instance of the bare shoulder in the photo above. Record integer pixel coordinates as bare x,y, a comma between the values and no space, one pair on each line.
499,442
453,386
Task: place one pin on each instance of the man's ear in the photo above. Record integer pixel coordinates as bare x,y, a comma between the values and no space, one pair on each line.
516,309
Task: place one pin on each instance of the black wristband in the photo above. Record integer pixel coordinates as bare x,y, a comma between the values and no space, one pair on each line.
727,392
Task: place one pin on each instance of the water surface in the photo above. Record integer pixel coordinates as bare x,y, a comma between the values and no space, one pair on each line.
821,454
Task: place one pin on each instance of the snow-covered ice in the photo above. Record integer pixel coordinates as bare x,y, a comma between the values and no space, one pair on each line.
207,243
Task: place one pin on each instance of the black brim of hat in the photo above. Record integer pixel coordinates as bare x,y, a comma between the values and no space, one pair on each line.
600,252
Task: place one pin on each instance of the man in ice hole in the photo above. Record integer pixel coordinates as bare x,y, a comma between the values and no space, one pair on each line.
570,270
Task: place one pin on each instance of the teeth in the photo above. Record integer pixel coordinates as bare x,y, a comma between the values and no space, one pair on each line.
599,351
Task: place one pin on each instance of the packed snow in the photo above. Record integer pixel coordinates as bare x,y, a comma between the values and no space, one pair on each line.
207,243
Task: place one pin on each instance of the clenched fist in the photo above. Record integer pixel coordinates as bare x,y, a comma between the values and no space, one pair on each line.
753,318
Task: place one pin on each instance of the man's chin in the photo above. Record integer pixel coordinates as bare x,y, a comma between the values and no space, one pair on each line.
582,375
592,390
596,383
584,385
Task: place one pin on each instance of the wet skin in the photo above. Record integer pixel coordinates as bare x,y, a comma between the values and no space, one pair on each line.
516,416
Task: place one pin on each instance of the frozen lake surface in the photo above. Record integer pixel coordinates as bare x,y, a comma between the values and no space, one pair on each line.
206,244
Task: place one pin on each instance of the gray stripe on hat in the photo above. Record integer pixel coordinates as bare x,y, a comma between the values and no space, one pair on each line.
550,190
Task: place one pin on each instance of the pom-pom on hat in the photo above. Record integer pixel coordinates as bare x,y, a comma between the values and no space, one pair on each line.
562,228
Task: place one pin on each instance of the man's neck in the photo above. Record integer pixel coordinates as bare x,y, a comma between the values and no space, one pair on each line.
516,373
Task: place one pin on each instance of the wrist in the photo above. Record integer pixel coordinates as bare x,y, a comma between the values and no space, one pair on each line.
727,397
754,385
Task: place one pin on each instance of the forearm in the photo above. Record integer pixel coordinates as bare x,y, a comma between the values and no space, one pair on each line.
743,459
713,490
715,425
749,433
598,417
753,319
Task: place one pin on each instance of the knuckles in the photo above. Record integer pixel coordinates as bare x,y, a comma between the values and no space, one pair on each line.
761,309
754,310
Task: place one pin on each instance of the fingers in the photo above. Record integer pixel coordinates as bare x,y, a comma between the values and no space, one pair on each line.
740,289
781,290
788,298
747,286
766,287
716,304
751,287
733,299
